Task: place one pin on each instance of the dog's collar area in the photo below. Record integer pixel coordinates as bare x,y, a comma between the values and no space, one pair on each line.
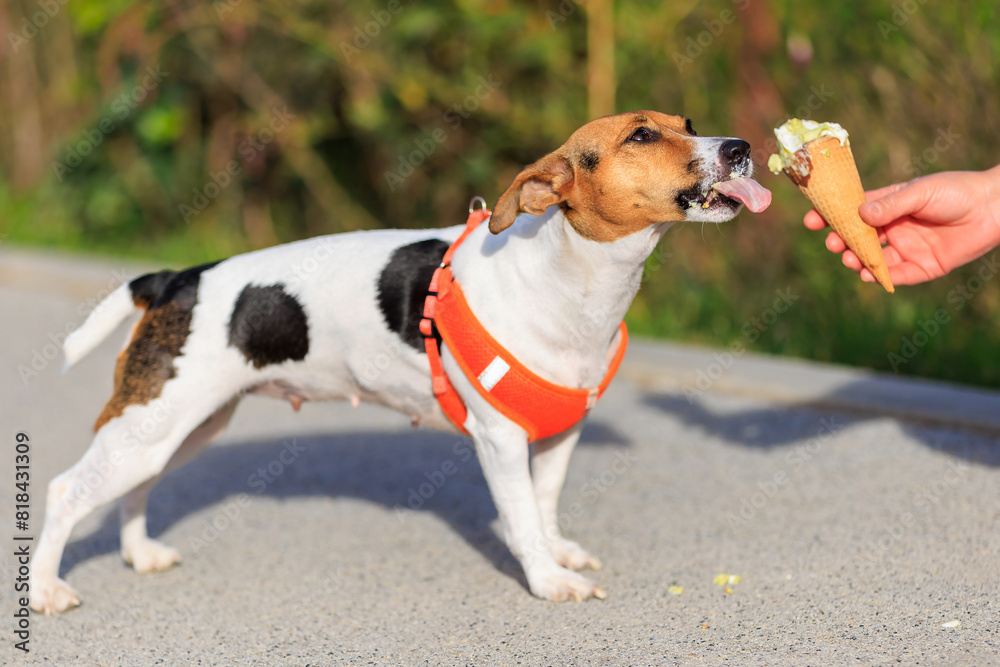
540,407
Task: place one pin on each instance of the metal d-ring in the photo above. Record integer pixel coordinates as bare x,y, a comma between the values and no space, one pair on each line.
472,203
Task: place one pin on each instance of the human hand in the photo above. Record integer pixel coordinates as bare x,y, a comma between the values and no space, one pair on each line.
929,226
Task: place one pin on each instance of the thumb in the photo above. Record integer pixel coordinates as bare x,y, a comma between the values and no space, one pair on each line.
902,199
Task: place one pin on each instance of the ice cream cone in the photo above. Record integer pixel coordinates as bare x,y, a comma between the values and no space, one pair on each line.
831,182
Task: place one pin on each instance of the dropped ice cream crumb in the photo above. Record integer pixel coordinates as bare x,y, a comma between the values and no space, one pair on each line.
951,624
675,590
723,579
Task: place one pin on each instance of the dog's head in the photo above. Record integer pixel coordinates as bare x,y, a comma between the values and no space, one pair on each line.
619,174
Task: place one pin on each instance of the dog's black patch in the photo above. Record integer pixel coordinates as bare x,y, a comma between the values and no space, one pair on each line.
692,166
402,288
153,290
269,326
689,127
589,161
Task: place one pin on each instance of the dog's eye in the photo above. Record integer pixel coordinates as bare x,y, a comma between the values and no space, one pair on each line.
642,135
689,128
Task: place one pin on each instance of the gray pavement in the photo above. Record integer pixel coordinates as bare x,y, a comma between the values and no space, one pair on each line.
859,511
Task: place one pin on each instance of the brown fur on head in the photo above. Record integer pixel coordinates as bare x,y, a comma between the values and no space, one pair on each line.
612,177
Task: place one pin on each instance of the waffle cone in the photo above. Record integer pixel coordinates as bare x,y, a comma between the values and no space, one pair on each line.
834,188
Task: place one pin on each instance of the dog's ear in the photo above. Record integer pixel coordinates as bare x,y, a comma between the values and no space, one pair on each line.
538,186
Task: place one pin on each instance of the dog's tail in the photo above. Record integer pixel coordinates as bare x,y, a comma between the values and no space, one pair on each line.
100,323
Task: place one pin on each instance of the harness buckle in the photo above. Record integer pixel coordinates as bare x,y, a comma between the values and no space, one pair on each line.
426,327
430,307
439,384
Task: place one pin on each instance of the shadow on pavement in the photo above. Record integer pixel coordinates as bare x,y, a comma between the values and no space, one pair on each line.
784,425
406,471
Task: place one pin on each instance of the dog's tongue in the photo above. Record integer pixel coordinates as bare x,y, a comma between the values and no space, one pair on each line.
746,190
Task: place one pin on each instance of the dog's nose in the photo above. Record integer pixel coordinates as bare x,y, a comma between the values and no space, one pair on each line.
734,151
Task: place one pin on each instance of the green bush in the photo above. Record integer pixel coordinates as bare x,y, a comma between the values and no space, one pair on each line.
189,131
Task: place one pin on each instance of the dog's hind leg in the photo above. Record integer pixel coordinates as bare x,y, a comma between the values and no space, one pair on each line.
138,549
127,451
549,462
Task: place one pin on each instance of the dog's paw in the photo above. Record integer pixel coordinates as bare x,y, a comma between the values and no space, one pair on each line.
150,556
560,584
53,598
570,554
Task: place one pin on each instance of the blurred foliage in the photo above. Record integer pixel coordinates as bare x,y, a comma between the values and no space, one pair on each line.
187,131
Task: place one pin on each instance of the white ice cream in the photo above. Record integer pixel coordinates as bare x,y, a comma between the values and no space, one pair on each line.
795,134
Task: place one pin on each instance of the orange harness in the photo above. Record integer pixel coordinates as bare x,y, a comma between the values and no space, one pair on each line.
538,406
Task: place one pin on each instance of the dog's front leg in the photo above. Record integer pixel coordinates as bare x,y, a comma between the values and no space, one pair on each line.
548,472
503,452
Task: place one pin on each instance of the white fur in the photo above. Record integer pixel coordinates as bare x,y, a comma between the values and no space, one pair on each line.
588,287
102,321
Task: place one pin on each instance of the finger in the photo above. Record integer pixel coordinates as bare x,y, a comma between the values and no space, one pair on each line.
834,243
852,262
878,193
892,257
901,271
909,198
813,220
908,273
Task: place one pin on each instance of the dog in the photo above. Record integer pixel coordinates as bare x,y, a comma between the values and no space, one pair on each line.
563,252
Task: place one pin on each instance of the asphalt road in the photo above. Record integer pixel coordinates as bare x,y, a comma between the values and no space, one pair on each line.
858,511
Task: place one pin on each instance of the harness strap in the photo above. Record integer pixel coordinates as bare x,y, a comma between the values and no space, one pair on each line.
449,400
540,407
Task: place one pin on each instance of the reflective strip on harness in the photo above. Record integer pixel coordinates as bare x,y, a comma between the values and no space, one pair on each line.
493,373
540,407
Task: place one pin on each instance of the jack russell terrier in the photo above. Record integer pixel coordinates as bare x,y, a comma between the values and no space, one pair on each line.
303,321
